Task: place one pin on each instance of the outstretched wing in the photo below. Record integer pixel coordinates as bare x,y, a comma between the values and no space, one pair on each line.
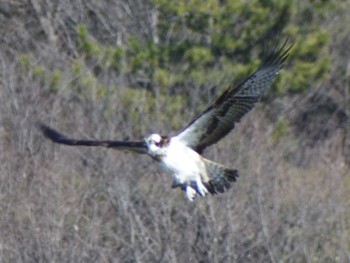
220,117
139,147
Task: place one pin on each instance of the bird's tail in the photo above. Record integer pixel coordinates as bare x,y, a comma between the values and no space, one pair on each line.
220,177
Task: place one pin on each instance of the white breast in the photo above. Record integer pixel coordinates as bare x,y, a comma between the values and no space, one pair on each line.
182,161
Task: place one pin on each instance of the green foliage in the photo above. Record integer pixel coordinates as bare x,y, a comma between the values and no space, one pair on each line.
84,82
311,64
203,42
315,42
143,56
281,130
32,69
25,62
39,71
162,77
55,80
213,31
88,46
28,66
198,56
173,112
112,58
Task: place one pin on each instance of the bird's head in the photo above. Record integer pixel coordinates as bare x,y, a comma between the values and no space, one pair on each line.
156,144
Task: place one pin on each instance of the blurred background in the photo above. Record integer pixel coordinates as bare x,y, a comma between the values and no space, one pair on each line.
124,69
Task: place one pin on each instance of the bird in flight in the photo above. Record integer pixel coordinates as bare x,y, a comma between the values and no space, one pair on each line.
181,154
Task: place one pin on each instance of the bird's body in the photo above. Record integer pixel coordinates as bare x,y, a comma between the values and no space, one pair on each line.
180,154
182,161
186,166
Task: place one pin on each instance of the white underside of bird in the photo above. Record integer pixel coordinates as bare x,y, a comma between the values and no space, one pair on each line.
186,166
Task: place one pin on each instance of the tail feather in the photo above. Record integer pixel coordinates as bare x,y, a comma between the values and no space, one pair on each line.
220,177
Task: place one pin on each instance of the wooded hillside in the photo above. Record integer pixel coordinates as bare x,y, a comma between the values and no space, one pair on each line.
125,69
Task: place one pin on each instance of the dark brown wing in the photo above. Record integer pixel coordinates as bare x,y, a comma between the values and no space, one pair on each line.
139,147
220,117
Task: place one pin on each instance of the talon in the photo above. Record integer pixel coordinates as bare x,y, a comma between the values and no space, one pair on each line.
191,193
201,188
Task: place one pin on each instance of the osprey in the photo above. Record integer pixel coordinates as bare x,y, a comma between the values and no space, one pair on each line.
181,154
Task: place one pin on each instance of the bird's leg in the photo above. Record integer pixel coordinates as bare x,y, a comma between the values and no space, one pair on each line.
199,187
190,192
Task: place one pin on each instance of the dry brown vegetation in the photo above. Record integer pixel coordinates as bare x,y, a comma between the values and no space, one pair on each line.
61,204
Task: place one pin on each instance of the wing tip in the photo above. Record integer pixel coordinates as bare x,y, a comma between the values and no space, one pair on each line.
279,53
50,133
